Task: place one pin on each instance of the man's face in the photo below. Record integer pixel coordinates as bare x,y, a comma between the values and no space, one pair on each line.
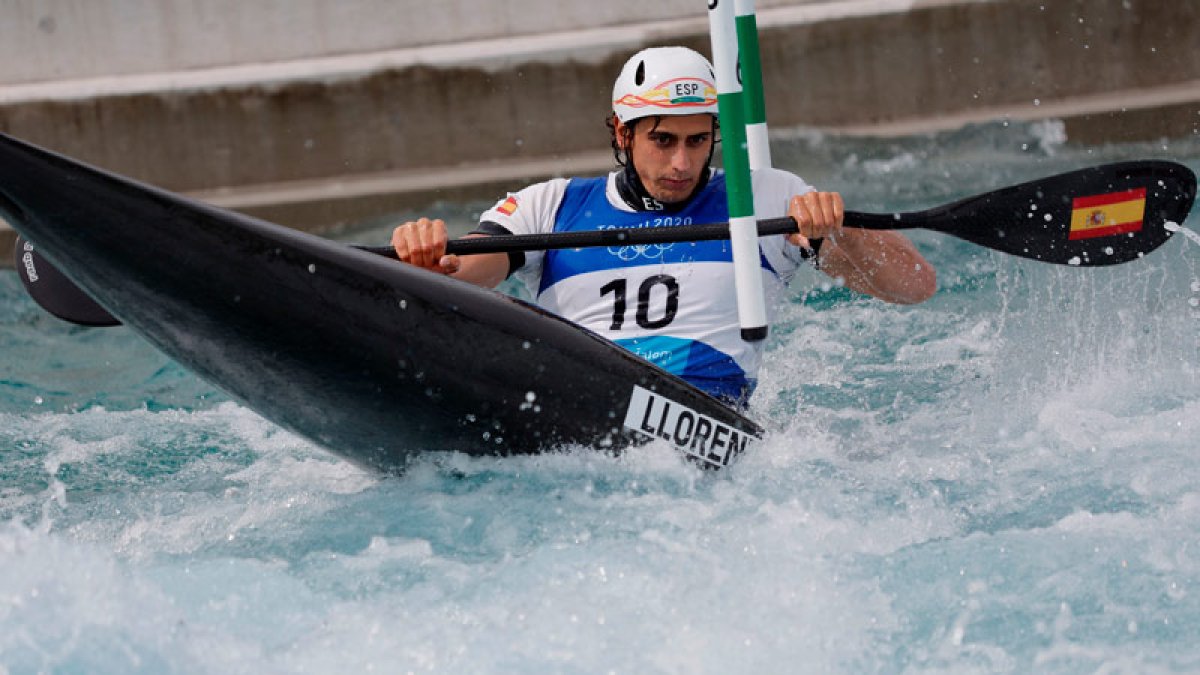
670,156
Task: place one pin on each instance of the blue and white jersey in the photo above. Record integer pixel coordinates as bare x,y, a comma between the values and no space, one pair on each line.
672,304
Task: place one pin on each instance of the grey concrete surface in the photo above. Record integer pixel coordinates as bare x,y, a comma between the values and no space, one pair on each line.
46,40
313,113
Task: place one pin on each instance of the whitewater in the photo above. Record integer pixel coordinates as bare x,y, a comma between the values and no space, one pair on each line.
1002,479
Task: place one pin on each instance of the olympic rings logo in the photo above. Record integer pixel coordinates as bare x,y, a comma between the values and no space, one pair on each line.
647,251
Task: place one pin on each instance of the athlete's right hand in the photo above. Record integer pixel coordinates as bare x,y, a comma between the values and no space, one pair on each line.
423,243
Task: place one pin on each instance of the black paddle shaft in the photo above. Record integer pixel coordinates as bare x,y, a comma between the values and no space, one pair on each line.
1049,219
1041,220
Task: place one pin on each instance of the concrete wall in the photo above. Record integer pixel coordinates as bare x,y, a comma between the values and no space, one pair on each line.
333,137
944,59
54,39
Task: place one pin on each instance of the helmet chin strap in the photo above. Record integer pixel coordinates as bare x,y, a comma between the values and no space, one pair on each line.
634,192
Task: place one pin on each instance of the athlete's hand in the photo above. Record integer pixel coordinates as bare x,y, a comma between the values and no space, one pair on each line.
818,215
423,243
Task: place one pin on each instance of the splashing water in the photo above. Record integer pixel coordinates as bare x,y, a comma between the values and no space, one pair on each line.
1176,227
1003,479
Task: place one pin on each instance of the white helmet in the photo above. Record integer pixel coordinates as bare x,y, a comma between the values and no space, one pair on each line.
665,81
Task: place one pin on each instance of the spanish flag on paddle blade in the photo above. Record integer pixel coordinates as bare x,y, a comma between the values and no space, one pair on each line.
1107,214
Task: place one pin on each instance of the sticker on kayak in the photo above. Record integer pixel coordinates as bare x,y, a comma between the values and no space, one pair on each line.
692,433
27,262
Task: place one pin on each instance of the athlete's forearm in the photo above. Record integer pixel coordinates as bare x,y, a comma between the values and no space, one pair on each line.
883,264
486,270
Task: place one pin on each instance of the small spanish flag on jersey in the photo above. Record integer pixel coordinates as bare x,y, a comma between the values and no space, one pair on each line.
1107,214
509,206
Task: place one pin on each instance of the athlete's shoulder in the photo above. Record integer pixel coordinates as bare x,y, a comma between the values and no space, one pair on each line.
552,188
528,210
772,179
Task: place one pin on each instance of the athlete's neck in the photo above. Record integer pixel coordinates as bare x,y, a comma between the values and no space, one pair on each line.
633,192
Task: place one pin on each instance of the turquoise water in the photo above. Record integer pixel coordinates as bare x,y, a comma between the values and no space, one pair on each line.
1003,479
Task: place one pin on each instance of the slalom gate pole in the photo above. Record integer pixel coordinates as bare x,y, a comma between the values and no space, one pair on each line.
743,230
756,110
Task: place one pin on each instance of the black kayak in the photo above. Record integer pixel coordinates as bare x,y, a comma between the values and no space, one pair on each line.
375,360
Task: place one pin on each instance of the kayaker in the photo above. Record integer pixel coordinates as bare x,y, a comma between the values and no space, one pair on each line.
673,304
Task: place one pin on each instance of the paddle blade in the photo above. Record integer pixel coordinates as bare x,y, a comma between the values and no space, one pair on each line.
1103,215
54,292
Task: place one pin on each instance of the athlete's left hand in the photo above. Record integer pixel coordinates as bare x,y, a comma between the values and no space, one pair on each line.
818,215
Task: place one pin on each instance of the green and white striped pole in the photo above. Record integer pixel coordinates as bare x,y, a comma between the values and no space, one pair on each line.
756,110
743,230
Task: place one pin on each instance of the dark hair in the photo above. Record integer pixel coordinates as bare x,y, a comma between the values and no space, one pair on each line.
620,156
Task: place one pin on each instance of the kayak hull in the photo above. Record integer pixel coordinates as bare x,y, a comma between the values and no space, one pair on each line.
375,360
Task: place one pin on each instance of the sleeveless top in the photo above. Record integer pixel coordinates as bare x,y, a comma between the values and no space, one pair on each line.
673,304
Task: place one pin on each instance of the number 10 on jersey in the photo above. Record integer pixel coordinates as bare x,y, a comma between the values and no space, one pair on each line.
657,286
